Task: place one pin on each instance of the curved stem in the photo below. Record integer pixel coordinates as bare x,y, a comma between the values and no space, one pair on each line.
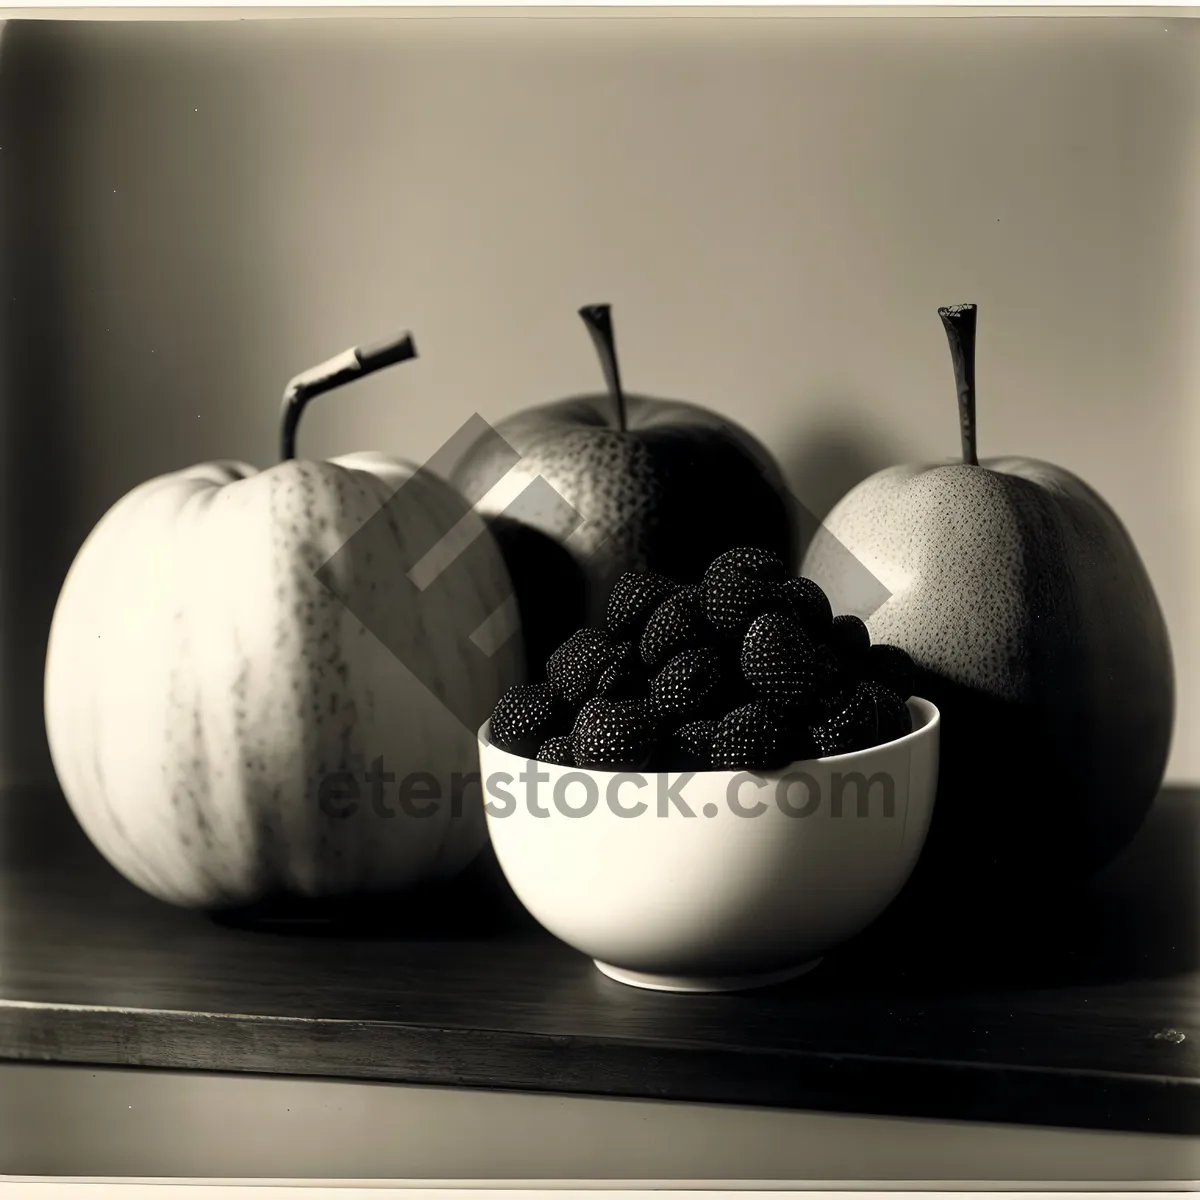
342,368
598,319
959,321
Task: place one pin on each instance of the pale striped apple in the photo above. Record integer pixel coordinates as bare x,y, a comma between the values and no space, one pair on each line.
247,697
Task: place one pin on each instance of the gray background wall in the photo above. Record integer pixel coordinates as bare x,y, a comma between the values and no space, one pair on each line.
775,207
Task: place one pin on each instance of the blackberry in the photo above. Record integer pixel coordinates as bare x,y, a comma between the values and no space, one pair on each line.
796,739
625,678
833,688
617,736
750,738
731,601
689,748
526,716
689,686
825,708
595,705
576,666
751,562
892,667
634,597
677,624
779,662
557,750
805,600
854,727
850,639
895,720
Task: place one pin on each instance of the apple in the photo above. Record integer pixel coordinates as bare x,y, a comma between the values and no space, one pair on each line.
627,482
1035,629
248,700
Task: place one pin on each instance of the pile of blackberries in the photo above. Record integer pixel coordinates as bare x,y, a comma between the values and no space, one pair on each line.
748,670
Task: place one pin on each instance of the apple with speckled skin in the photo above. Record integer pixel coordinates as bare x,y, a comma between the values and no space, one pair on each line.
1035,630
239,662
641,484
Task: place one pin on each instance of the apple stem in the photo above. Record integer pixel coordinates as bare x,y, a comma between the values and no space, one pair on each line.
342,368
598,319
959,321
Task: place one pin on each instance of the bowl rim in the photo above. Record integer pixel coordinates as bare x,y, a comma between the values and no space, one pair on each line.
931,720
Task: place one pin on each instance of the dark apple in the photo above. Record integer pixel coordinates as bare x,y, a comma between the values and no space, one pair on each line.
1035,629
628,482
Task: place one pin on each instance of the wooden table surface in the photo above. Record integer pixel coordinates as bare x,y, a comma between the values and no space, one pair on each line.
1086,1015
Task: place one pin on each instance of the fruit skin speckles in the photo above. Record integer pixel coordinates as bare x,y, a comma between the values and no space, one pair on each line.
634,597
730,602
1035,629
750,738
791,686
660,485
616,737
895,719
526,716
749,562
689,748
626,677
690,686
854,727
738,586
780,662
223,801
595,705
557,750
575,667
807,602
677,624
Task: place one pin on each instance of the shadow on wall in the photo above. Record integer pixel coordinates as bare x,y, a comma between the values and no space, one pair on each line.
36,476
98,276
831,453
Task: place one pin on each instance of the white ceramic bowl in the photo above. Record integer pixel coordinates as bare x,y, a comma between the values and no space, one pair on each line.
766,874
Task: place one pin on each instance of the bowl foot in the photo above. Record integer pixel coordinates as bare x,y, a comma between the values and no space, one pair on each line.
703,983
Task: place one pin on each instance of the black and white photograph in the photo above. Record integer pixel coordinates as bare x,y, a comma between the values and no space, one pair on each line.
600,598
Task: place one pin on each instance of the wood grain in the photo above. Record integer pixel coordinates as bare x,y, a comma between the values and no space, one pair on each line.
1053,1015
